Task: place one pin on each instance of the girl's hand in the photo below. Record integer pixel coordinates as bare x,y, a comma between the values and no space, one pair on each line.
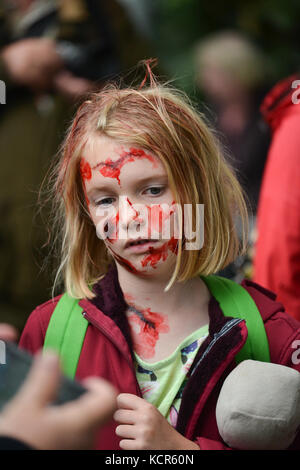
144,428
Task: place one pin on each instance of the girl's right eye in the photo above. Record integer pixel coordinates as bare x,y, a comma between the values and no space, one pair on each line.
104,202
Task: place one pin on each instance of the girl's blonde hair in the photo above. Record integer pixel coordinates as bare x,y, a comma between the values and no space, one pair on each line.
159,119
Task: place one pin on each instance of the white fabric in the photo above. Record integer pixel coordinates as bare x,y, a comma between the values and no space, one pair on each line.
259,406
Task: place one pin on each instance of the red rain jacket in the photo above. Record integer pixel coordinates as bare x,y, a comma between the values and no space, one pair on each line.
107,352
277,252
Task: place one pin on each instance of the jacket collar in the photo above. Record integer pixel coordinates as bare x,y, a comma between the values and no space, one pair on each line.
110,300
107,311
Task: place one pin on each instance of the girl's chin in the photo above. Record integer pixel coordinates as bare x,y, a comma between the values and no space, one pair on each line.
146,258
144,265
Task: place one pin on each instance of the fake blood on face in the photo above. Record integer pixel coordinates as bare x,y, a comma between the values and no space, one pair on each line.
86,174
157,217
112,237
136,212
112,169
85,170
115,223
160,253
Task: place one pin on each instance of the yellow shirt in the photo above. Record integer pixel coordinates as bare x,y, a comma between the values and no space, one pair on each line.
162,382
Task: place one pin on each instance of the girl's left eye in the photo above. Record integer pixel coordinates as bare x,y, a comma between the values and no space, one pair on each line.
155,190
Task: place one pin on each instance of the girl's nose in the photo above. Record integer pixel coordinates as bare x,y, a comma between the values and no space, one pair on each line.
130,214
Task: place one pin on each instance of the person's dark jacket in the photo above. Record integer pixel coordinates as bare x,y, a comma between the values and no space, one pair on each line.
10,443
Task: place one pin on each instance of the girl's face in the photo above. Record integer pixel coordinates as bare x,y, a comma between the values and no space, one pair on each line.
128,197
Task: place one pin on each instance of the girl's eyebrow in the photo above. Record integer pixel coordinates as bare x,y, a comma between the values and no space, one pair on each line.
138,181
152,177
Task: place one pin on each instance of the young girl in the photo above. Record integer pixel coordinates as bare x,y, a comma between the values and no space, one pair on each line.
131,160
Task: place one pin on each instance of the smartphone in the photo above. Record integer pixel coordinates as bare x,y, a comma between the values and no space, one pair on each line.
14,367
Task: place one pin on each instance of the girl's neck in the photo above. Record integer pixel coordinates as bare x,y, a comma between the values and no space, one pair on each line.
144,292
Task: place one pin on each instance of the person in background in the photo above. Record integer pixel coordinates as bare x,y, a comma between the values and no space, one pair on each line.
231,73
51,54
277,249
27,422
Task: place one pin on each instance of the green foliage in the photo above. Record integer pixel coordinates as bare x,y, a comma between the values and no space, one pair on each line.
271,24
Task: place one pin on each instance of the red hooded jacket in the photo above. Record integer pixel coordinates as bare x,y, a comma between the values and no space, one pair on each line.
277,252
107,352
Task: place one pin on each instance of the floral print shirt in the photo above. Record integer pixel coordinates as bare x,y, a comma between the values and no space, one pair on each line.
162,382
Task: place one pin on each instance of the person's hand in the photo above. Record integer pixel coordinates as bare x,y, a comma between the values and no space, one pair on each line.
30,418
8,332
70,86
143,427
32,62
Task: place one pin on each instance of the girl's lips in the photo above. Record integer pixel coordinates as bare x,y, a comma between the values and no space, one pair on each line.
141,247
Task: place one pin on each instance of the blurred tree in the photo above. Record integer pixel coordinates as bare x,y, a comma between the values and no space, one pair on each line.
272,24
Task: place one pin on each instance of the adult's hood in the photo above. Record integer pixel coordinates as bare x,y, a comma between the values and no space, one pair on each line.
281,100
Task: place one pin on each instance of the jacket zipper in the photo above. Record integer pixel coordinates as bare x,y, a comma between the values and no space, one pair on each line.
227,327
110,337
217,336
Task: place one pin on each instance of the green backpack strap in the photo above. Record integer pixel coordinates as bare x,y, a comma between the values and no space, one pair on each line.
236,302
65,333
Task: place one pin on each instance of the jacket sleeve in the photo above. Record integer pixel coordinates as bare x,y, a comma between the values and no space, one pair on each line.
277,252
34,332
32,338
283,333
210,444
289,351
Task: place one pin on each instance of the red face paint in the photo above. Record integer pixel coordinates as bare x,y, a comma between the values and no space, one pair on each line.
112,169
161,253
140,153
115,221
151,325
86,174
136,212
157,217
85,170
155,254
